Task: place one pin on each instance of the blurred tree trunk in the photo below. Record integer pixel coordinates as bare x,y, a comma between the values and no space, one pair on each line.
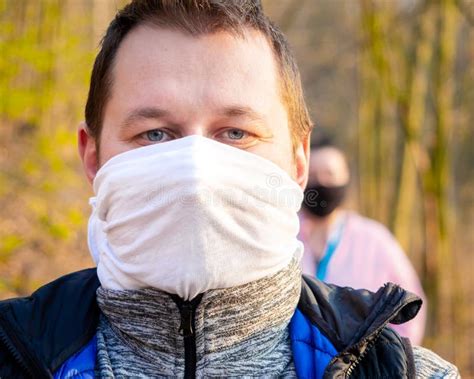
438,178
375,84
423,99
412,97
102,13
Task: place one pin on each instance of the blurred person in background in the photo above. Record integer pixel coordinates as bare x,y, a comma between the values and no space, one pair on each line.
344,248
195,120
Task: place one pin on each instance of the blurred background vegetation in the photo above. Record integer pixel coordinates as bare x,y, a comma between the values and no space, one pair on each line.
391,80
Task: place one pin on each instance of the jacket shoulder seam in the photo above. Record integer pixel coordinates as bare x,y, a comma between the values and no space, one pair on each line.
312,345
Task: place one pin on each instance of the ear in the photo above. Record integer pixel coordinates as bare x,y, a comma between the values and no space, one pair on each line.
302,161
87,151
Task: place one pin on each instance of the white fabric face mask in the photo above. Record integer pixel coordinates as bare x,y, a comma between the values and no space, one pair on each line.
191,215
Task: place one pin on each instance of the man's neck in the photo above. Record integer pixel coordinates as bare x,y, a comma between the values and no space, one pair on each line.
325,222
141,329
319,231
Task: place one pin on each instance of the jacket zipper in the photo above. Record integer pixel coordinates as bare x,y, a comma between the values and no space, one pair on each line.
187,310
354,364
17,351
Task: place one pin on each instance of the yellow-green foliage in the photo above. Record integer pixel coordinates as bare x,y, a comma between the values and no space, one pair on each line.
46,55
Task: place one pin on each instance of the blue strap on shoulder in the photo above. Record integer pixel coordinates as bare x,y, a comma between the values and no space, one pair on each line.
80,365
331,247
312,351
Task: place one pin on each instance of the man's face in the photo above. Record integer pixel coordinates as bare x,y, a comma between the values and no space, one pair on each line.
168,85
328,167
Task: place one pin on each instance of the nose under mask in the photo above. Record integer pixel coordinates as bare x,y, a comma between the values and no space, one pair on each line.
191,215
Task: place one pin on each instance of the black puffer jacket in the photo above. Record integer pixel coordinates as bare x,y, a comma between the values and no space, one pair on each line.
39,333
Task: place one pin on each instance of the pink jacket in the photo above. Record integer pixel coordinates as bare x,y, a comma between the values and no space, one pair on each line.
368,256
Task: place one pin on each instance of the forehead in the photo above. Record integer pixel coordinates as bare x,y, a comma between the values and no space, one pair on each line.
217,66
328,164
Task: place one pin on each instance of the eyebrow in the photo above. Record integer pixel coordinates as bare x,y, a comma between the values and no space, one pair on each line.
143,114
155,113
241,111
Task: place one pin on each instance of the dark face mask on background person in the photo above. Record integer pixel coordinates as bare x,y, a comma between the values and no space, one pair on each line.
321,201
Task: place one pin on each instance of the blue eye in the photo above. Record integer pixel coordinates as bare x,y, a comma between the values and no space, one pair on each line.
236,134
155,135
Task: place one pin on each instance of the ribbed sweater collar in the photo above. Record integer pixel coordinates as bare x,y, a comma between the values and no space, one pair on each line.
244,326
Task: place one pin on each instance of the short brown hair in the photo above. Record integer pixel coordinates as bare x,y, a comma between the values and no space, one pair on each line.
196,17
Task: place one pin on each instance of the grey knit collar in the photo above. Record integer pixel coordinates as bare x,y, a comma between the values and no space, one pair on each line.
240,331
